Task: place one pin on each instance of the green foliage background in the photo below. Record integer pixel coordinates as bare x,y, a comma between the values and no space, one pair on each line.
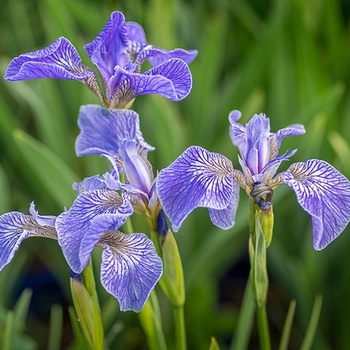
288,59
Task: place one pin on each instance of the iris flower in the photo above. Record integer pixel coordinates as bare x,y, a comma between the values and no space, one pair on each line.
118,52
116,134
199,178
130,266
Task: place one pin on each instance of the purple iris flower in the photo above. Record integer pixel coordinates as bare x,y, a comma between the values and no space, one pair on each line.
130,266
199,178
15,227
118,52
116,134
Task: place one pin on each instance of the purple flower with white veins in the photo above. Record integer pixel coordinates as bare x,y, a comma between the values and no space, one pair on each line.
118,52
116,134
199,178
15,227
130,266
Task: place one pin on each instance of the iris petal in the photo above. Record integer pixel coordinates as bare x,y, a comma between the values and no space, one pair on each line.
225,218
324,193
158,56
15,227
130,268
91,214
108,49
198,178
171,79
59,60
103,130
291,130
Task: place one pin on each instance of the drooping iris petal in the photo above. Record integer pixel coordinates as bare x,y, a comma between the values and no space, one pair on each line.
108,49
130,268
324,193
59,60
103,130
15,227
197,178
225,218
91,214
171,79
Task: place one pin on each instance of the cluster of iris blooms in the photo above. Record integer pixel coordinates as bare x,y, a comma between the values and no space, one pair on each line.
131,265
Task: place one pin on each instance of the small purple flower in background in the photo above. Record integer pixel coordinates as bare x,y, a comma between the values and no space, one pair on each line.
130,266
116,134
199,178
15,227
118,52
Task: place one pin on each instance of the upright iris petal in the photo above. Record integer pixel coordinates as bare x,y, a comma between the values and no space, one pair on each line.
108,49
258,147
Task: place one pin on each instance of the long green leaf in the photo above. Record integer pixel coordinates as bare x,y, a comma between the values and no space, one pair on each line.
56,177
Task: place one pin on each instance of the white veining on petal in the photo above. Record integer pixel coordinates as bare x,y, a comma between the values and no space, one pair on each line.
324,193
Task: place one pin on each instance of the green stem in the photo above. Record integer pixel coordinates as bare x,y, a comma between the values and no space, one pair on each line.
151,322
180,331
89,281
263,328
87,308
245,320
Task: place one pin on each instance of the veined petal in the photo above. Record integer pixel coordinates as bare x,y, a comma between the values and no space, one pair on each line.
237,130
108,49
172,79
89,184
324,193
291,130
15,227
157,56
137,169
197,178
225,218
130,268
251,140
42,220
59,60
272,166
136,39
91,214
103,130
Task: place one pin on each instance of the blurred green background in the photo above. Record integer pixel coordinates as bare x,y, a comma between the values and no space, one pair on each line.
289,59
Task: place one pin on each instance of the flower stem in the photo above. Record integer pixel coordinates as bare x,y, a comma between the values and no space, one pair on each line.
180,327
263,328
87,307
